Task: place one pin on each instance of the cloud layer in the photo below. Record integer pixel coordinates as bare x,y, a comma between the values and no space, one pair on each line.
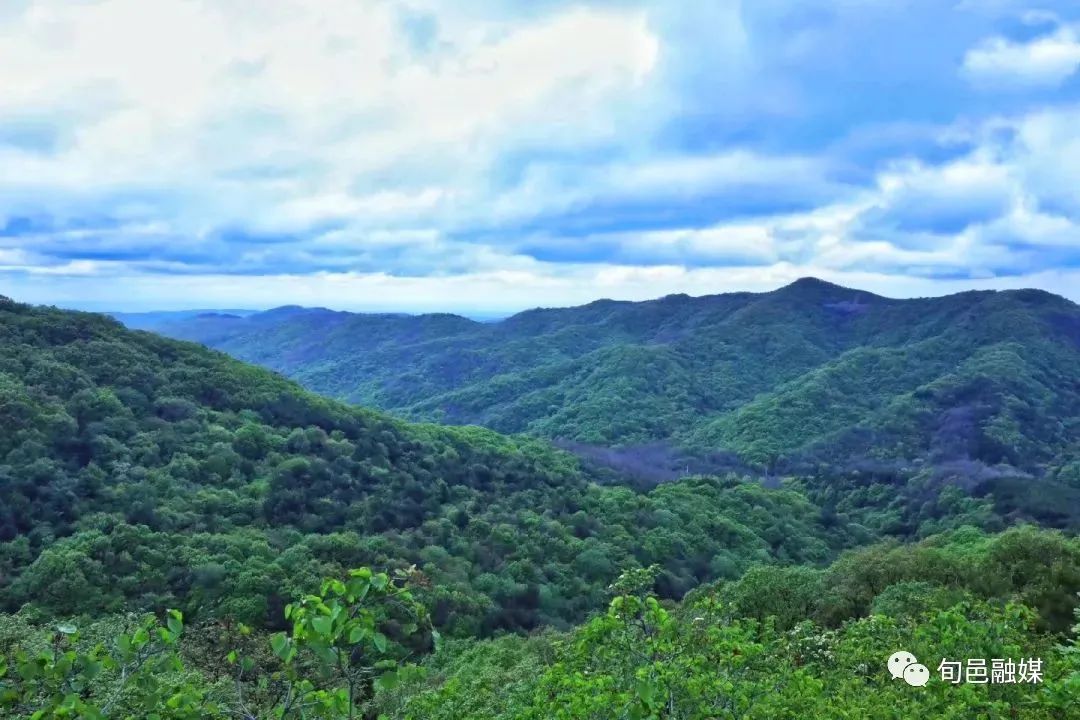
417,154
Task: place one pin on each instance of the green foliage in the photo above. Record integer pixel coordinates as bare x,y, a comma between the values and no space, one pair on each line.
717,655
140,675
139,474
336,653
327,666
467,679
810,376
706,660
1037,568
145,473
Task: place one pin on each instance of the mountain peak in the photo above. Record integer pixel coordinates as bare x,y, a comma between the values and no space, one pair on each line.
811,283
217,316
287,310
818,290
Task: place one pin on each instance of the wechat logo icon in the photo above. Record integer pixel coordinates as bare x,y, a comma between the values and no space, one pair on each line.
903,664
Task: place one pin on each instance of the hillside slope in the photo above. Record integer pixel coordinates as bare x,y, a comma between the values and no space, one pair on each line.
139,471
805,376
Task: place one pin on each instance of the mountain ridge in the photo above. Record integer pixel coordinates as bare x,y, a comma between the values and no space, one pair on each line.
142,472
718,374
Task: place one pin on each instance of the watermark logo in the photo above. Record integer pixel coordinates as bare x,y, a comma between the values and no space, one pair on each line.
903,664
1001,671
976,671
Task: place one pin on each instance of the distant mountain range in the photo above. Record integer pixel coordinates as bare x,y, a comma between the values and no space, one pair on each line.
141,472
154,320
806,376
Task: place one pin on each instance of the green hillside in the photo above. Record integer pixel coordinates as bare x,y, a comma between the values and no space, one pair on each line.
785,643
185,536
778,642
811,375
138,471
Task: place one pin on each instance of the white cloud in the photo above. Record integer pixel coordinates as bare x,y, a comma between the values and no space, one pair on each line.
1003,209
1044,61
182,148
182,95
730,244
548,188
1046,155
492,291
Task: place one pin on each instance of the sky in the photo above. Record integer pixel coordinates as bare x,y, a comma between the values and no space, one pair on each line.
489,156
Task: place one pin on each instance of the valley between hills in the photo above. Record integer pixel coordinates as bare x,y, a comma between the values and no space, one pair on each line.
730,506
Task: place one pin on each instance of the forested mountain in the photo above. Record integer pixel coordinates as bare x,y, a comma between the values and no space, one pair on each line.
141,471
808,376
182,535
777,643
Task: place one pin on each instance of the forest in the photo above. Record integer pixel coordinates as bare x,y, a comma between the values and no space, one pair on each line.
975,384
183,535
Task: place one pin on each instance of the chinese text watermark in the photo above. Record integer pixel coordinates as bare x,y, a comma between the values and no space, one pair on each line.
977,671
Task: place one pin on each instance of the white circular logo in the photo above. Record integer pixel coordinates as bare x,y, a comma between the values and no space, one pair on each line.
898,661
916,675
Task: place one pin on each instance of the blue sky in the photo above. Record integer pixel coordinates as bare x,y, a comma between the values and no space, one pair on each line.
490,156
